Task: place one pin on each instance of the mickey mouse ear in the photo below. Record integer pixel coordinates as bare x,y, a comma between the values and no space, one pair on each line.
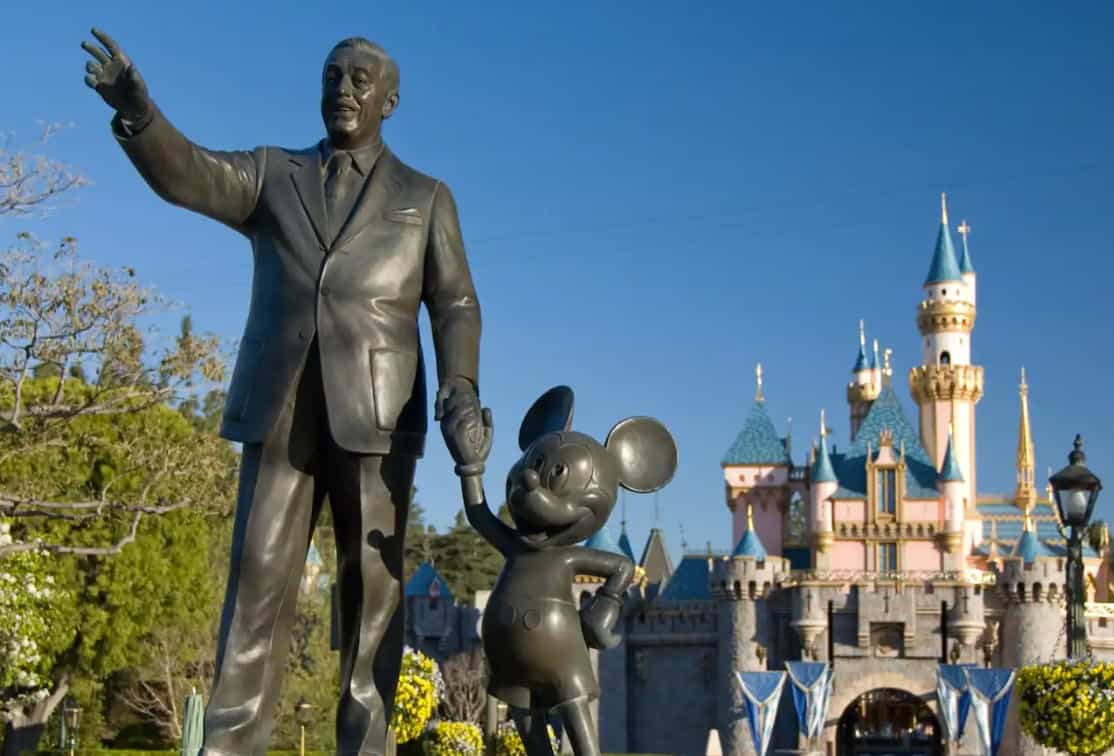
551,412
645,451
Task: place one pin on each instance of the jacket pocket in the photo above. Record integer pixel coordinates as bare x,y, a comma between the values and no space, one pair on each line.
392,382
243,378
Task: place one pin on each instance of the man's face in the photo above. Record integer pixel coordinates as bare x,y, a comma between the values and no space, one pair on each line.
354,96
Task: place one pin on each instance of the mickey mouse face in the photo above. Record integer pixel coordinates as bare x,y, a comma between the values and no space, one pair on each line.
562,490
564,487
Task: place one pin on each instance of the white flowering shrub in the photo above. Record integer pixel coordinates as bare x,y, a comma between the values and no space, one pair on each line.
36,619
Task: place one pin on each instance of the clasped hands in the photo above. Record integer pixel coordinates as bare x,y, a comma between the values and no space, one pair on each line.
465,426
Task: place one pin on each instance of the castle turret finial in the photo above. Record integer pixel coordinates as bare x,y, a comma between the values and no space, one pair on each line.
750,516
862,334
1025,495
823,425
944,208
875,364
758,397
964,228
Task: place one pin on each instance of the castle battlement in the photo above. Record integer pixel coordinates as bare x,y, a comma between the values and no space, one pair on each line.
745,578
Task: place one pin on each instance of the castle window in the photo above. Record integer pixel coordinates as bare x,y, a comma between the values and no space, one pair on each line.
885,490
887,557
945,358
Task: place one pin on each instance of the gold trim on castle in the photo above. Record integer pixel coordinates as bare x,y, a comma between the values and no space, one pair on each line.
948,315
928,383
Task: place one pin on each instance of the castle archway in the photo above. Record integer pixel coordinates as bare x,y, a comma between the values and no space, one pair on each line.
888,721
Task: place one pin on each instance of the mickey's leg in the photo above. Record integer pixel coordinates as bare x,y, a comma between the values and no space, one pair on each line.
577,716
534,731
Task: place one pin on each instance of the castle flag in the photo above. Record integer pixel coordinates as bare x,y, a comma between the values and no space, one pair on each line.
812,689
761,696
990,700
954,696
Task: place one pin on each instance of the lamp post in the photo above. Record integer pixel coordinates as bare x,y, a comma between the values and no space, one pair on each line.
303,713
71,714
1076,490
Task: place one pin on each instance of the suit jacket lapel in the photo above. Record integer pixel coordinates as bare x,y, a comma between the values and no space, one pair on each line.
382,183
308,184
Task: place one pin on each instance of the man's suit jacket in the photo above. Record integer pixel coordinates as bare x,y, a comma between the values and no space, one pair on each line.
359,293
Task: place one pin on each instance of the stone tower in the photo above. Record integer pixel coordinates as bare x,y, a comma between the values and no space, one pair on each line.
741,585
946,385
1031,584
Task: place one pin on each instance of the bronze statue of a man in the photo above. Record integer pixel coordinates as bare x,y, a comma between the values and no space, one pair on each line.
328,393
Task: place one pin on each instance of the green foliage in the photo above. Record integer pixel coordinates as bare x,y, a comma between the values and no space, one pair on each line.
466,561
39,623
1068,706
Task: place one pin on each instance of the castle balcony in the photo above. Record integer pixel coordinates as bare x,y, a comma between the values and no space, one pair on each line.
795,578
935,316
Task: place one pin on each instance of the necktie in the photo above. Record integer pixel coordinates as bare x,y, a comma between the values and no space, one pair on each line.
338,194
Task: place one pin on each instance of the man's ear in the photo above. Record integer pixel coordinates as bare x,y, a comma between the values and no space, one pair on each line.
389,105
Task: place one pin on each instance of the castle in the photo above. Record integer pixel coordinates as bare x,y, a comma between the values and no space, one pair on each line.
880,558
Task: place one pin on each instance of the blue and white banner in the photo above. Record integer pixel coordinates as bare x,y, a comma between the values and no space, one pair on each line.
812,689
954,696
761,695
990,700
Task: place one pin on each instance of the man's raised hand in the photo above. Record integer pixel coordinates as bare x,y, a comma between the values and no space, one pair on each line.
115,79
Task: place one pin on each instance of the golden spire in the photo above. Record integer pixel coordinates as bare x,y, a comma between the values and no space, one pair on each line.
862,334
750,516
823,425
963,230
758,383
944,208
1026,493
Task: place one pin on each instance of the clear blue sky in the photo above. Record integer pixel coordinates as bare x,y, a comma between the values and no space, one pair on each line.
657,195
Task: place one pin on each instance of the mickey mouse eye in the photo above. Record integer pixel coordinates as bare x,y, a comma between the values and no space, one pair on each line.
558,478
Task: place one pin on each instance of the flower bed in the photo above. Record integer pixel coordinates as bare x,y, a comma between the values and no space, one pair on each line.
1068,706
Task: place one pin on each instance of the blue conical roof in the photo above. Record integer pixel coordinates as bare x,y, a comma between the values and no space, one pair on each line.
944,265
822,470
758,442
427,581
750,545
965,264
601,540
949,471
861,362
1029,547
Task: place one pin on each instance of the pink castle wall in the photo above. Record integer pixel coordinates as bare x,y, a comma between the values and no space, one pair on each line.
920,555
850,511
914,510
848,555
768,521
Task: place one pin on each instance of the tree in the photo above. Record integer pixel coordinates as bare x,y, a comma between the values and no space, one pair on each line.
466,561
465,696
91,449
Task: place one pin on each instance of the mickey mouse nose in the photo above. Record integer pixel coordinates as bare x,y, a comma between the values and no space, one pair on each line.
530,479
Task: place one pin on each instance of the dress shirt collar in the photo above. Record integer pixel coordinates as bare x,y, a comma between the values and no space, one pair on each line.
363,158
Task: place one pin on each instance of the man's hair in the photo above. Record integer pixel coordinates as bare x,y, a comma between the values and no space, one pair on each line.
389,71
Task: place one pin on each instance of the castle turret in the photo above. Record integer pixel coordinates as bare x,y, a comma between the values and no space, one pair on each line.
824,484
865,383
756,473
741,585
946,386
953,488
1032,627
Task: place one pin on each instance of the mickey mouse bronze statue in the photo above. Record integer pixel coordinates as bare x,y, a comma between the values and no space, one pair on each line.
559,493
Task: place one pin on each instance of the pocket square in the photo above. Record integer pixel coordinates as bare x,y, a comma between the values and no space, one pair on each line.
406,215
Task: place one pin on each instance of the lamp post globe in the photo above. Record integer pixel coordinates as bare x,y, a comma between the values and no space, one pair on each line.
71,712
1076,490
